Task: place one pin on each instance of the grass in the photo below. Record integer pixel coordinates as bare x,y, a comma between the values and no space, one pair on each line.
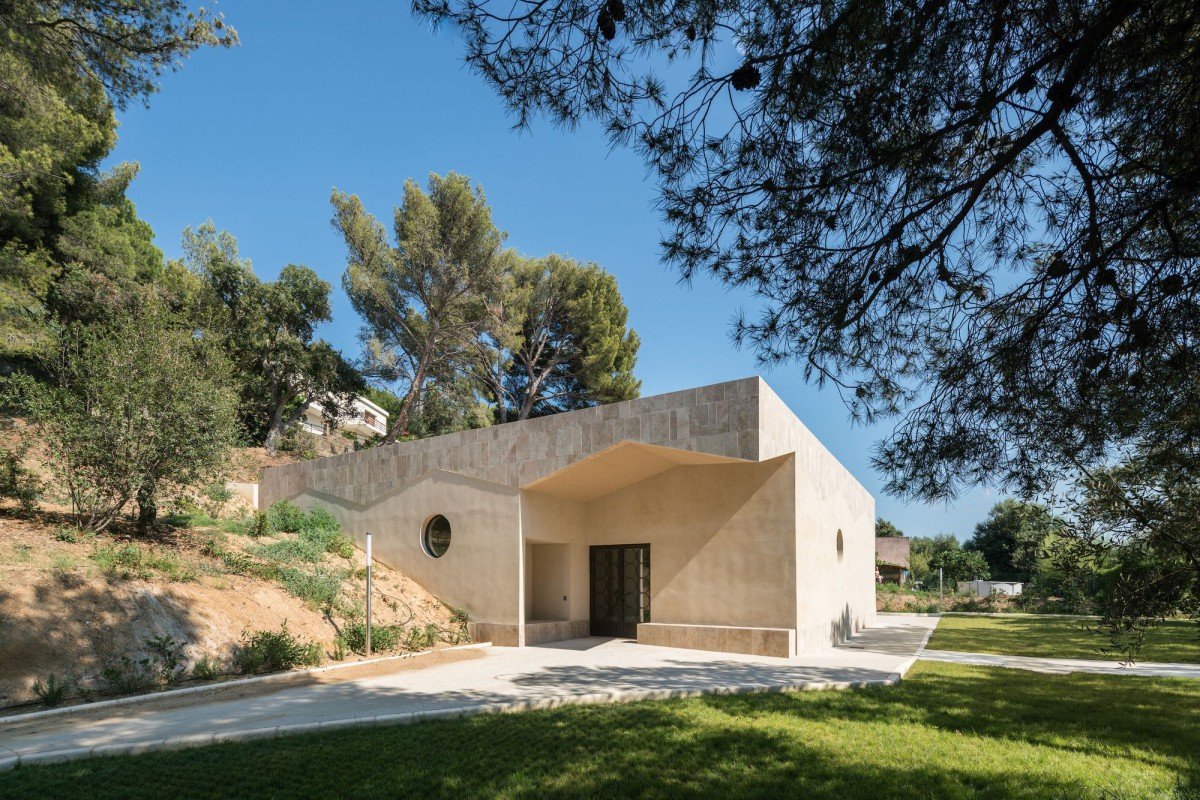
1060,638
946,731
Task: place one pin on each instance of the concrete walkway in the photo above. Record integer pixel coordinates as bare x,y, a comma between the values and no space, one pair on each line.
503,679
1065,666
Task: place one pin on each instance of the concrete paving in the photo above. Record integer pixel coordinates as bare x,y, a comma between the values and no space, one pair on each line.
1065,666
588,670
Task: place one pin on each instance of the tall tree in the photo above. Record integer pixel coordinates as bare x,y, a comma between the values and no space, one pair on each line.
572,348
885,528
1014,537
268,329
983,221
989,218
64,66
425,299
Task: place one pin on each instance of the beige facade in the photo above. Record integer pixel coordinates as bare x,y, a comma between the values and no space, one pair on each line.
708,518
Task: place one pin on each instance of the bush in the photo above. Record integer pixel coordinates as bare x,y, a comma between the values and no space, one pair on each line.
384,638
459,619
53,691
166,658
290,551
206,669
17,482
320,518
274,651
216,496
299,441
329,541
387,638
286,516
131,561
321,587
65,534
127,676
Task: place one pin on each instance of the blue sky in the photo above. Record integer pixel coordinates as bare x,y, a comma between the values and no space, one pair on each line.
361,96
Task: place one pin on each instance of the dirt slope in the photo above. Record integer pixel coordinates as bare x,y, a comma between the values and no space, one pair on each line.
63,612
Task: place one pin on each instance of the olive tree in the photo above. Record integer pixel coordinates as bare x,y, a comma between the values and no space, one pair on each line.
132,408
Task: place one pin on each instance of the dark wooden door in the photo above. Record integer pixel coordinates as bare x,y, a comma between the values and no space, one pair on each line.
620,581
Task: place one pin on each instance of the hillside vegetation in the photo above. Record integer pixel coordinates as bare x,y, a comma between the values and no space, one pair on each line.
86,616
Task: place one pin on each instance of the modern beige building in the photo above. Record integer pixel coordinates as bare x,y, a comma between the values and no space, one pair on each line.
709,518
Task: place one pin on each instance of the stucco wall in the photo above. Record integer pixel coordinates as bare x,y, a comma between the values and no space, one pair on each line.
550,564
548,518
480,570
724,537
835,595
721,419
721,541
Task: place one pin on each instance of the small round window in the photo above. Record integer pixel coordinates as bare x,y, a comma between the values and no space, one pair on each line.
840,544
437,536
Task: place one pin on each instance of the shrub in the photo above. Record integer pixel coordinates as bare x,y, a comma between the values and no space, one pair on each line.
216,495
286,516
53,691
299,441
384,638
290,551
340,649
329,541
16,481
127,676
320,587
273,651
319,518
206,668
242,564
65,534
460,631
166,658
260,525
122,561
424,638
62,562
131,561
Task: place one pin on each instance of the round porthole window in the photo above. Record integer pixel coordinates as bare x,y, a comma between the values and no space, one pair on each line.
436,538
841,544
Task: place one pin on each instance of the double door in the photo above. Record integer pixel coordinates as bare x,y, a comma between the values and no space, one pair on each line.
620,589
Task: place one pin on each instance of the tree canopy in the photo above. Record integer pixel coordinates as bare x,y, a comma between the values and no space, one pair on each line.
424,300
986,218
268,330
981,221
452,316
569,346
885,528
1014,537
64,67
131,406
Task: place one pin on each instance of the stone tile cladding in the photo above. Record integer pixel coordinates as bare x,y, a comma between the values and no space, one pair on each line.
721,419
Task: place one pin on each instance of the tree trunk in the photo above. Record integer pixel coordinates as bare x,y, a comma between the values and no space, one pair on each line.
404,414
147,507
278,428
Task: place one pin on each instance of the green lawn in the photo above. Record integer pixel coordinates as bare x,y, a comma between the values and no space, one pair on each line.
948,731
1059,637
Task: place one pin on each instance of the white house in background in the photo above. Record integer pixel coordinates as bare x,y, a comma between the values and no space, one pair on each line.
989,588
364,420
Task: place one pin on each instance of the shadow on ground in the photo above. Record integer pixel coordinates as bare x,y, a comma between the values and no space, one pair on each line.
951,731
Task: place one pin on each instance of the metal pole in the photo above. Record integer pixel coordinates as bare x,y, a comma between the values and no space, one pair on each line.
368,595
941,597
